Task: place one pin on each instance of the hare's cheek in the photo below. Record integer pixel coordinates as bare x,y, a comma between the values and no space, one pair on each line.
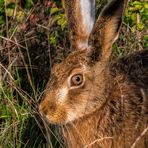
71,116
61,95
79,110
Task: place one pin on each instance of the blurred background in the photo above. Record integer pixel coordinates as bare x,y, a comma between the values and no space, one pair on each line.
33,36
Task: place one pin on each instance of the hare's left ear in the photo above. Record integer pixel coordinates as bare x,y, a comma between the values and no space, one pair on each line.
81,17
107,27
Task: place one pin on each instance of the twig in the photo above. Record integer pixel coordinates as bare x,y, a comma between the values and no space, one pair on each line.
28,73
139,33
9,67
97,140
17,42
44,27
6,71
1,82
142,134
12,42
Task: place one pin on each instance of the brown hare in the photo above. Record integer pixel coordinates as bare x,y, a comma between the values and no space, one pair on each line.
98,103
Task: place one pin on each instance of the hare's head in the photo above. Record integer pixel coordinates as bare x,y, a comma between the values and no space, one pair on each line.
78,85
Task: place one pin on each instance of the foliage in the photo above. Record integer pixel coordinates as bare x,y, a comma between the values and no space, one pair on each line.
14,8
60,19
136,17
137,8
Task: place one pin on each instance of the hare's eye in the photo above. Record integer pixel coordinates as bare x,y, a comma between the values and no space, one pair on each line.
76,80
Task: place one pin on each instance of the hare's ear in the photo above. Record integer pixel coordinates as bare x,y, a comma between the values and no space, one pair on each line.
81,17
107,27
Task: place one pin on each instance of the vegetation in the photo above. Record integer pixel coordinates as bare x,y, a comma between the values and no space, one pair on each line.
33,36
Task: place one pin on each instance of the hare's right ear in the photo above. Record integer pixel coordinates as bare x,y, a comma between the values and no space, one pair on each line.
81,17
107,27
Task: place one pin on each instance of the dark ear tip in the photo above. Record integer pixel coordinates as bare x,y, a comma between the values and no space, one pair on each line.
106,30
113,7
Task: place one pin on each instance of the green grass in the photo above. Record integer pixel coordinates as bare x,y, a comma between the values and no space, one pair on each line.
20,122
18,111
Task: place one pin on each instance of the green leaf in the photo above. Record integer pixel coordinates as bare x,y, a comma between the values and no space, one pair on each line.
133,17
53,38
20,16
62,21
137,3
53,10
29,4
9,12
146,5
136,8
1,2
142,10
140,26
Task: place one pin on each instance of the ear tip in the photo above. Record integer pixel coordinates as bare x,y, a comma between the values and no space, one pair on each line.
114,6
81,18
107,28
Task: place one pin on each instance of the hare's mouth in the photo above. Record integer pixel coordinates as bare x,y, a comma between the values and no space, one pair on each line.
56,119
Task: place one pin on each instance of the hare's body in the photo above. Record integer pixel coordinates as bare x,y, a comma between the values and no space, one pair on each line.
124,117
99,104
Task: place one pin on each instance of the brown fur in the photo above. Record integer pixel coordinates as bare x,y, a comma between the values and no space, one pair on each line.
123,117
110,109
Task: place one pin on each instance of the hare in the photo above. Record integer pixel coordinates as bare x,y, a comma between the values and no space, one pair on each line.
96,102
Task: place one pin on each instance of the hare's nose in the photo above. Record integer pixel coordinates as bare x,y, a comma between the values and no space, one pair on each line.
46,107
43,110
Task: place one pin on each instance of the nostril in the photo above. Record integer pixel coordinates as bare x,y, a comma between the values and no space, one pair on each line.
47,109
52,108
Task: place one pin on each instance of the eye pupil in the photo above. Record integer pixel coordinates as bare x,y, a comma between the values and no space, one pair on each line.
76,80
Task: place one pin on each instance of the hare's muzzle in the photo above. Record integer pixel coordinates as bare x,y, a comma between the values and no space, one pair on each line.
51,112
46,107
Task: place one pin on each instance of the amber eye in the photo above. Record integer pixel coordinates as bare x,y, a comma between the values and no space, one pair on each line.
76,80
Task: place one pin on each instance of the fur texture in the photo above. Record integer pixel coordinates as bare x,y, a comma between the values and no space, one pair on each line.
109,108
